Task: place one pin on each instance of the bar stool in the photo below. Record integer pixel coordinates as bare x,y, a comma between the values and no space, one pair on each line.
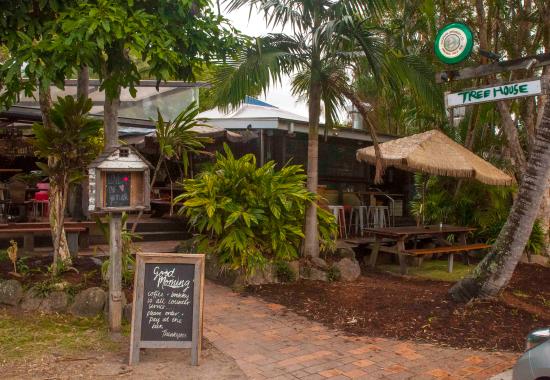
339,214
361,217
378,216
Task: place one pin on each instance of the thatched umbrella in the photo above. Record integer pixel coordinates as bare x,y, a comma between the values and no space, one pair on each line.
433,152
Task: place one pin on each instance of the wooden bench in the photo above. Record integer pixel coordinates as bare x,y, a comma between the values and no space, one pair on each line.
451,250
77,234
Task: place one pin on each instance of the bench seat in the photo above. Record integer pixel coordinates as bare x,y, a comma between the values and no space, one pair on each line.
29,233
446,249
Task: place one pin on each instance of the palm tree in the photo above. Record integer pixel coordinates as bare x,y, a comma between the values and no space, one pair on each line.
329,38
68,144
496,269
177,140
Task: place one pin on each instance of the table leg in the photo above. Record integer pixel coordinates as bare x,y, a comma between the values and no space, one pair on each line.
462,241
402,256
374,253
450,264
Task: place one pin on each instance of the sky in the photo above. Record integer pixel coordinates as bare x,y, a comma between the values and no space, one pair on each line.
280,95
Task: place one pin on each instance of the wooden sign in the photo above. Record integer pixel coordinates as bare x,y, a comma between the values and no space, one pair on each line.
494,93
168,301
118,189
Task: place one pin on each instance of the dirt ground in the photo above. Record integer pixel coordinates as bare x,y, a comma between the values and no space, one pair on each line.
87,272
380,304
154,364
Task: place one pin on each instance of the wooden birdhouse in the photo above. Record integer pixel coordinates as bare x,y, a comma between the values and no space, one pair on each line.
119,181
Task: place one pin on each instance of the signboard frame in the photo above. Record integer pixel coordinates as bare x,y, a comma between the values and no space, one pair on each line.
136,343
460,31
543,90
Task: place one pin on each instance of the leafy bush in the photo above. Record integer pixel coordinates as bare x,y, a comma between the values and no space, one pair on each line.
333,273
249,215
128,248
284,272
475,204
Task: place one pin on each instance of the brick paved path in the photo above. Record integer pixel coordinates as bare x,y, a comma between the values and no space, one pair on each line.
269,342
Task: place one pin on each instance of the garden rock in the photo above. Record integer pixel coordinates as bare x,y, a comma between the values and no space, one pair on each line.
312,273
349,269
55,302
89,302
319,262
295,267
535,259
346,252
31,301
11,292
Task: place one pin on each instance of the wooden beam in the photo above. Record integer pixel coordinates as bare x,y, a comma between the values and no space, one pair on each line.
536,61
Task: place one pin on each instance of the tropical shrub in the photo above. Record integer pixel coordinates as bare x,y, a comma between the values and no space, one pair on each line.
248,215
474,204
128,249
284,272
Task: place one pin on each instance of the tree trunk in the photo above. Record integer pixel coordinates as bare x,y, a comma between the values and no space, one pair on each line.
311,241
492,275
361,107
516,151
56,194
77,192
110,121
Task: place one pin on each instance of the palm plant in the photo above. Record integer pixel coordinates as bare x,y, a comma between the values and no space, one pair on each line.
68,145
330,38
177,140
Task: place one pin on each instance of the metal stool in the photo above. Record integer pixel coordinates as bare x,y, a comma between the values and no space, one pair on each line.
378,216
339,214
361,214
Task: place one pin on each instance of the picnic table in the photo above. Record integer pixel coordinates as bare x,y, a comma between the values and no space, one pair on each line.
399,236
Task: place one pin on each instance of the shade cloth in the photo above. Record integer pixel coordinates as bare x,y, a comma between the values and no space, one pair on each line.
435,153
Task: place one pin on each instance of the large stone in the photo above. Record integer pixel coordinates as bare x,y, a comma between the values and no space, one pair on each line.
346,252
89,302
295,267
535,259
312,273
31,301
349,269
11,292
55,302
319,262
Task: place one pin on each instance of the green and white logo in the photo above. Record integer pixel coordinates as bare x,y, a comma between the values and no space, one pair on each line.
454,43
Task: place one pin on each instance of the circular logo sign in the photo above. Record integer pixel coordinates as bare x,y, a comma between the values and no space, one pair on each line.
453,43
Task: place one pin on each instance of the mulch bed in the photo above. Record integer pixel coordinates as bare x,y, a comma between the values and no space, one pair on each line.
87,271
379,304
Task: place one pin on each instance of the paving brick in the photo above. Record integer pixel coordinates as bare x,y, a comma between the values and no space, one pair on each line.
268,343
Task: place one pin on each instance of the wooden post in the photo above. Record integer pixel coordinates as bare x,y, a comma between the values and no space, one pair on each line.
374,252
115,278
402,257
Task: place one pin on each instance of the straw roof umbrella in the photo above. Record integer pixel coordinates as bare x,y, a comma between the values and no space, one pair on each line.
433,152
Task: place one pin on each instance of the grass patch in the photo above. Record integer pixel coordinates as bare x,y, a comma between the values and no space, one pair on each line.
434,270
27,336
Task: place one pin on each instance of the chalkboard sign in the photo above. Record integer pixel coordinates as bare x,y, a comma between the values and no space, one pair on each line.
168,296
118,189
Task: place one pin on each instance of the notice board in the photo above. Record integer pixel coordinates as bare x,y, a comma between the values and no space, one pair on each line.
168,301
118,189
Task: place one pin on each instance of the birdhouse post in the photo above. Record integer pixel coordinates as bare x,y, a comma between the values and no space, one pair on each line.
118,182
